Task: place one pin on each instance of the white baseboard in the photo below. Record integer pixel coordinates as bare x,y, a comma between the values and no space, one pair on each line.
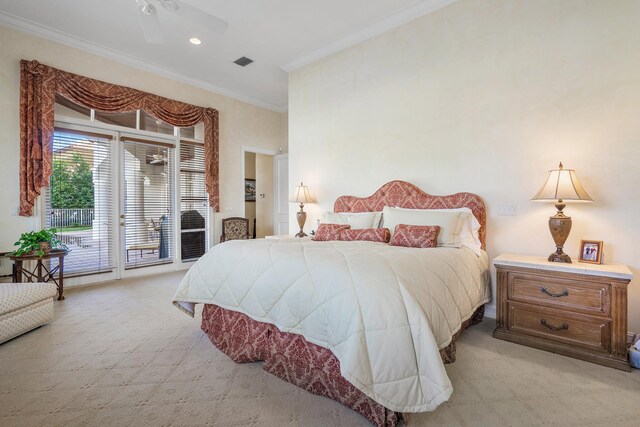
490,311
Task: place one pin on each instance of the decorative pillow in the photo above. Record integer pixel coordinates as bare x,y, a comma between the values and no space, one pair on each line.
330,231
450,223
469,233
416,236
381,235
356,220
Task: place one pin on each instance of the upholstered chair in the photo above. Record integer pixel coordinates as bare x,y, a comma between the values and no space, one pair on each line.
235,228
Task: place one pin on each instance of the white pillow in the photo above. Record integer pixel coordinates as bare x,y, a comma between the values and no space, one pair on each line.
451,223
469,234
357,220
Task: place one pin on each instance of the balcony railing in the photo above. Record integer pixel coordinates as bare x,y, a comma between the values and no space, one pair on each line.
65,218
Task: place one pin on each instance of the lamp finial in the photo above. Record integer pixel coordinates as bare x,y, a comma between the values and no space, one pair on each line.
560,166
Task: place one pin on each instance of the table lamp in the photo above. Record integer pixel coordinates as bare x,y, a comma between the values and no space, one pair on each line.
301,195
561,186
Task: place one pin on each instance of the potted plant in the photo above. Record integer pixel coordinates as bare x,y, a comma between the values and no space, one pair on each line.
38,243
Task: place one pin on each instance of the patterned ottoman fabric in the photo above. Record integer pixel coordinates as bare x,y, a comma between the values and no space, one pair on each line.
24,306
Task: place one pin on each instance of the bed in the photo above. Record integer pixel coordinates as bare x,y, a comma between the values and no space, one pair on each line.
366,324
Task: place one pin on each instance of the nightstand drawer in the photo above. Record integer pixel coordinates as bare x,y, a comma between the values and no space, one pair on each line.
583,296
574,329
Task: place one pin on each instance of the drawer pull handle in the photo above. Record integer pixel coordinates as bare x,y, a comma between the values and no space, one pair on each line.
564,293
562,327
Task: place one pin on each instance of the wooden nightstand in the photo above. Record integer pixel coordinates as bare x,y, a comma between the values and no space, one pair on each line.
578,310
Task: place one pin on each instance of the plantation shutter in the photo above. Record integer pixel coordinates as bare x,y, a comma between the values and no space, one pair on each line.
194,206
148,202
79,200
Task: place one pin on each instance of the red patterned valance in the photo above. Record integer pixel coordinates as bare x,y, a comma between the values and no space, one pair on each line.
38,86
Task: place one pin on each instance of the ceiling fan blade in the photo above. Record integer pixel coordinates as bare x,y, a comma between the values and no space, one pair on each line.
200,17
150,24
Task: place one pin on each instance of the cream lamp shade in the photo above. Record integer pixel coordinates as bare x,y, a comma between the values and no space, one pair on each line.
561,186
301,195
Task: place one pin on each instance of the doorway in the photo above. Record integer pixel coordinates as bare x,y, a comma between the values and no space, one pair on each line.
261,182
147,203
79,202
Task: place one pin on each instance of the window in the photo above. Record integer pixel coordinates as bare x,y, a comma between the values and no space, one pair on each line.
113,192
66,108
149,123
194,206
127,120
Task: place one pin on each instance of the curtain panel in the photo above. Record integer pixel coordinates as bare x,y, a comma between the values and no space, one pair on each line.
38,86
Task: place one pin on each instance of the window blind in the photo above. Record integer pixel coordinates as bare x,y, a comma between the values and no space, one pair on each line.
148,204
79,200
194,206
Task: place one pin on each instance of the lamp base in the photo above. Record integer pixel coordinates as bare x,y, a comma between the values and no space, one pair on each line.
559,226
559,257
301,216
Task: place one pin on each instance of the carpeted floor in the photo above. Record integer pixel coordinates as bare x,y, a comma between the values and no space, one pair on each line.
121,354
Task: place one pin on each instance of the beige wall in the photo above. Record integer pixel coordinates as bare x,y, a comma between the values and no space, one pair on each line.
284,125
486,96
240,123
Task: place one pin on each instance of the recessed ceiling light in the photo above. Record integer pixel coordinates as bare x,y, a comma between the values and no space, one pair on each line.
195,40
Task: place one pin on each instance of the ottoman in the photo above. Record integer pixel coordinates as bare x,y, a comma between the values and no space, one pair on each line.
24,306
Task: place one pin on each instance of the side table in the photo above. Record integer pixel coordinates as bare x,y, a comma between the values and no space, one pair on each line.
577,310
41,273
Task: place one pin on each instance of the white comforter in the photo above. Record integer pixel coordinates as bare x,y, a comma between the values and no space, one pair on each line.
383,311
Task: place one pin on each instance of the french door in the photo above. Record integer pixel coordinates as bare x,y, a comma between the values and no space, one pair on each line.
118,201
147,207
80,200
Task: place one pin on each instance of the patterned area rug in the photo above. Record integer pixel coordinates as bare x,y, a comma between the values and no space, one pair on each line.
120,354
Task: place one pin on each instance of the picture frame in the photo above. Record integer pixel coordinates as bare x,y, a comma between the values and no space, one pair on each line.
591,251
249,190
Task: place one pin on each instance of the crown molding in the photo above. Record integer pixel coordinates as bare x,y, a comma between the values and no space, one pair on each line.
48,33
397,19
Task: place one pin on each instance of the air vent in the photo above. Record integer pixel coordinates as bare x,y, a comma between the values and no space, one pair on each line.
243,62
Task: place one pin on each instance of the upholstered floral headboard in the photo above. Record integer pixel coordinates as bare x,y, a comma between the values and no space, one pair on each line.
405,195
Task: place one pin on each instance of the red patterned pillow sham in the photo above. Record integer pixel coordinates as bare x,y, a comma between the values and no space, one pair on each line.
415,236
381,235
330,231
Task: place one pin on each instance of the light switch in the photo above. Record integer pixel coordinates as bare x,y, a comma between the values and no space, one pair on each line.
507,210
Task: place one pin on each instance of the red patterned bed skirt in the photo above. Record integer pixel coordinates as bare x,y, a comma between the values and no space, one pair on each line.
292,358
